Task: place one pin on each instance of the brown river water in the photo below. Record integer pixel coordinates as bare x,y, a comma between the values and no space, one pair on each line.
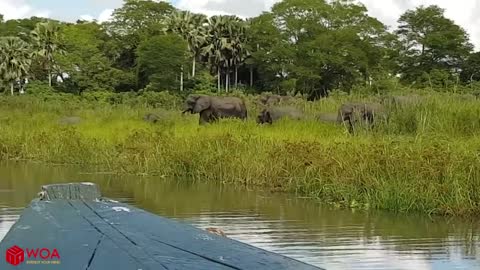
300,228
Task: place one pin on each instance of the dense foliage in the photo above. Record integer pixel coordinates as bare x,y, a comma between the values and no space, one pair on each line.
310,47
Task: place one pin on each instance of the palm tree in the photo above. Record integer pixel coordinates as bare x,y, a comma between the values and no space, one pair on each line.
15,59
215,44
224,45
192,28
239,50
46,37
197,38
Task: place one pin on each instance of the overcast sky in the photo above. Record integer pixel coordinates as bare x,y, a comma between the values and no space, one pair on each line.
463,12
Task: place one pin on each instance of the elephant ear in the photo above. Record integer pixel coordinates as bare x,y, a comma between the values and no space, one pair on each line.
202,104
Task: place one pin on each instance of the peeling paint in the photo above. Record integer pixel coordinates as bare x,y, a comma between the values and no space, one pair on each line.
23,227
119,209
204,237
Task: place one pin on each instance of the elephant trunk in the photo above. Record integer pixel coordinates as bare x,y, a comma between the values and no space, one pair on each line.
187,110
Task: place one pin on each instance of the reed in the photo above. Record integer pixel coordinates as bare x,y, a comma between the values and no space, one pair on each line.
426,159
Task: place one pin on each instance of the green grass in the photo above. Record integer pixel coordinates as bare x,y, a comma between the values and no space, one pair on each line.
427,159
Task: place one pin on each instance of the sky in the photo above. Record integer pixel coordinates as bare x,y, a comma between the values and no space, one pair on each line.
387,11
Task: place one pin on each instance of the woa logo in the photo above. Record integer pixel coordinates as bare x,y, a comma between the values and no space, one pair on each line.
16,255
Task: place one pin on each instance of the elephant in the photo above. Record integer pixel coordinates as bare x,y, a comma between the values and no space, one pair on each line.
70,120
270,100
151,118
213,108
355,112
271,114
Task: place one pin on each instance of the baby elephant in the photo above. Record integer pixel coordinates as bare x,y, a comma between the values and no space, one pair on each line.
269,115
271,100
355,112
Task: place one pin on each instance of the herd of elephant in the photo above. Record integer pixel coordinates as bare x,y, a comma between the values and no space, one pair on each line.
213,108
276,107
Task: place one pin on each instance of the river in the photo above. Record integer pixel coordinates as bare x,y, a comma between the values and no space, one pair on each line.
296,227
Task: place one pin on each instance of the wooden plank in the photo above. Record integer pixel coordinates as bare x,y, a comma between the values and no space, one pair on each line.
109,256
52,225
153,255
91,233
130,220
71,191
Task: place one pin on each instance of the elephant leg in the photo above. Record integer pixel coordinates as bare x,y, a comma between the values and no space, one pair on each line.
204,118
213,117
351,129
244,115
207,116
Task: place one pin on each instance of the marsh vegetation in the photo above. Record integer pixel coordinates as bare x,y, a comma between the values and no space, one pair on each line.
426,158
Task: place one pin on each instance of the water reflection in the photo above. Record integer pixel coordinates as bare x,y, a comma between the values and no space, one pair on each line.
333,239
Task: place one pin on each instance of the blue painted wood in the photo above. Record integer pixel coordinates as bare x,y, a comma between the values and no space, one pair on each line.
101,234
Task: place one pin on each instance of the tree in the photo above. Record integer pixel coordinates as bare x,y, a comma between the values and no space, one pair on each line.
161,59
85,65
132,23
471,68
313,46
15,60
139,18
192,28
430,41
269,51
21,27
224,43
47,40
238,51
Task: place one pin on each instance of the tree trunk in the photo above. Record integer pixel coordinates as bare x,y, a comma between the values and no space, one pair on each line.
11,88
236,76
218,80
227,80
181,80
137,77
193,67
22,89
471,81
251,76
49,78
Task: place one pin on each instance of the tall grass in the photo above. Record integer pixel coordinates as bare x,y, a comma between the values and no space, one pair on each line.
426,159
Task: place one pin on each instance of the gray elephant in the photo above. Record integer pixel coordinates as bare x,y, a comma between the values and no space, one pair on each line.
270,100
213,108
151,118
272,114
352,113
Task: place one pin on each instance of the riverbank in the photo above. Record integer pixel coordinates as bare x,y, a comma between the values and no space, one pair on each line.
426,160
